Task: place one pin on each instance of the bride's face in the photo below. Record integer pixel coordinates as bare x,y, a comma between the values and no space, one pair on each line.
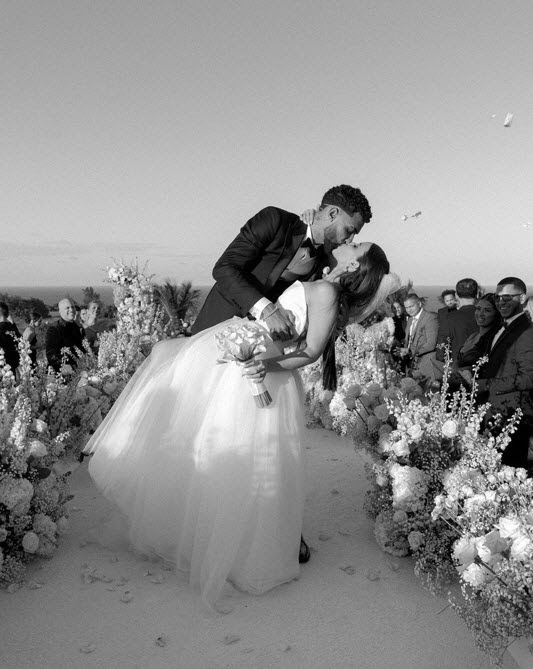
346,254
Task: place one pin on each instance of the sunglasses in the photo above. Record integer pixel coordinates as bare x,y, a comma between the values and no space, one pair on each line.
506,298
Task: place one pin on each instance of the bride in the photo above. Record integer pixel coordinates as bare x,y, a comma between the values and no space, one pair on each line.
208,480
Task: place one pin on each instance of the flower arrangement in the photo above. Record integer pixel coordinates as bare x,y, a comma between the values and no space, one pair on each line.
47,418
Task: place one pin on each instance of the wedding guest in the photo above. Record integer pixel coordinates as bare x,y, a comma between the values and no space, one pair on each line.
459,324
421,338
9,335
35,321
478,344
64,334
450,302
89,320
529,308
506,380
399,318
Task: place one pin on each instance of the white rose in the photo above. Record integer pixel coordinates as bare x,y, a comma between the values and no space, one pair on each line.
400,517
401,448
522,546
415,539
381,480
474,575
37,448
508,527
415,431
450,428
464,550
30,542
39,425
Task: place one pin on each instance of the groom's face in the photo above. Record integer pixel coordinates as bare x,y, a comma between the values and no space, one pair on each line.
339,227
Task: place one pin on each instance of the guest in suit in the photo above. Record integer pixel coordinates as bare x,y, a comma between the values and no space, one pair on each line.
459,324
506,381
64,334
9,336
421,338
274,249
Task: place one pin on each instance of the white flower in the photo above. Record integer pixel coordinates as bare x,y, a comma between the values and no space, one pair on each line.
39,425
415,539
415,432
475,575
401,448
509,527
450,428
30,542
400,516
37,448
465,550
522,546
381,480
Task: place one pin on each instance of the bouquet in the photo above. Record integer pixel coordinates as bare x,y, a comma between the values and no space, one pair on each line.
240,343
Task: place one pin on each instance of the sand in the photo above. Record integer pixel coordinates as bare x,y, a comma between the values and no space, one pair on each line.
102,607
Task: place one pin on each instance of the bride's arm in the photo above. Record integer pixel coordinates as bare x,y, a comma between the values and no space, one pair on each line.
322,309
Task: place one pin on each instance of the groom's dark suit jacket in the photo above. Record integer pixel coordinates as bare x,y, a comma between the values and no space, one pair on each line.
251,267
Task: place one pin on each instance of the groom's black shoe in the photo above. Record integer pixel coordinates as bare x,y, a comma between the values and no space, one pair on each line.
305,553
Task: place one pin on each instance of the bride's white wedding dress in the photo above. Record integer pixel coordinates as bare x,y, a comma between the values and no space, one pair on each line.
206,479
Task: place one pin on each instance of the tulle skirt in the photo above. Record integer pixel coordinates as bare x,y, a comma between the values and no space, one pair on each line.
206,479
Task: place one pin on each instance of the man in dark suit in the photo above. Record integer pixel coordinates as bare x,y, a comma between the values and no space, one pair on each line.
64,334
9,336
420,339
461,323
506,380
274,249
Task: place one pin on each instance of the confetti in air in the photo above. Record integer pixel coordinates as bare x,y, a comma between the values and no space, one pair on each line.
527,225
508,120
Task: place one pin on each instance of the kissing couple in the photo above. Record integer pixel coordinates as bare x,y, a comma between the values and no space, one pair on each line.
207,479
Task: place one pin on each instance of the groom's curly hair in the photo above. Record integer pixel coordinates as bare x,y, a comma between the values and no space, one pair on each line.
349,199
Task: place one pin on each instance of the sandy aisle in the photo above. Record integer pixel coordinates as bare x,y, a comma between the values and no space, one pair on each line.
329,618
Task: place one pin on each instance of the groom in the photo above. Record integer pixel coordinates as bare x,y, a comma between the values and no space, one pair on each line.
274,249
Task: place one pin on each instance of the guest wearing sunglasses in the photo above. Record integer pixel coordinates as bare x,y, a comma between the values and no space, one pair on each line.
506,380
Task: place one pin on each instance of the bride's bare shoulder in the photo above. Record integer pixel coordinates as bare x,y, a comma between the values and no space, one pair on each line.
321,292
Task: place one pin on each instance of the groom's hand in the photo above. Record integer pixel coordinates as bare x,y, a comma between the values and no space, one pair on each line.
279,321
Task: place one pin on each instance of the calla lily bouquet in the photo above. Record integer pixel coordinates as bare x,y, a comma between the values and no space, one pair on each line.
240,343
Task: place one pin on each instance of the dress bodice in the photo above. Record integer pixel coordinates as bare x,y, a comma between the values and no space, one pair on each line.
293,299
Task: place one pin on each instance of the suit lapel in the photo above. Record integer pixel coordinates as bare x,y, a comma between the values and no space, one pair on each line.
508,336
293,240
417,328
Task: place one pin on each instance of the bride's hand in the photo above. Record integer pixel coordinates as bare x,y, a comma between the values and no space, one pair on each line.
254,370
308,216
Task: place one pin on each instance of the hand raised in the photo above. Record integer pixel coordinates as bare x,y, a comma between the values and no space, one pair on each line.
308,216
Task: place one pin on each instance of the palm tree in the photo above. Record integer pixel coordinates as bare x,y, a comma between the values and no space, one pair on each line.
180,302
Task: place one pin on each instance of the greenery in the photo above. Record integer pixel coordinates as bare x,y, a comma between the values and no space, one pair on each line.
21,307
179,302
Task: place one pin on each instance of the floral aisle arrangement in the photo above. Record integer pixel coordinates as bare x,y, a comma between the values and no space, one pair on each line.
46,419
489,510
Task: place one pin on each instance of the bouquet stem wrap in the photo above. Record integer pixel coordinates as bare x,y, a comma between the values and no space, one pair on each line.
240,343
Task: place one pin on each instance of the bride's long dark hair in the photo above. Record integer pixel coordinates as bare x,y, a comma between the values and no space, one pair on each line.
357,290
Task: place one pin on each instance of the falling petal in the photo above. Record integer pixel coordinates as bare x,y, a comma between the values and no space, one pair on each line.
404,217
508,120
527,225
417,214
493,115
231,638
87,648
162,640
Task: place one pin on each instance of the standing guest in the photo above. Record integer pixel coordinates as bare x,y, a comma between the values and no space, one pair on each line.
9,335
64,334
420,341
449,299
478,344
89,319
460,323
506,381
35,321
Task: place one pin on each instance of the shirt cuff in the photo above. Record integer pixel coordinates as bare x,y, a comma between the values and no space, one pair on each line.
258,307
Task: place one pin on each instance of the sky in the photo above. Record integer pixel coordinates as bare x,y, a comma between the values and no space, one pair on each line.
152,131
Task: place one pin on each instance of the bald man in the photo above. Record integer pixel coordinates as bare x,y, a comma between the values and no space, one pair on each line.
65,333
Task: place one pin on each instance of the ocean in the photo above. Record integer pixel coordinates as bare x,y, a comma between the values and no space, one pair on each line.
51,295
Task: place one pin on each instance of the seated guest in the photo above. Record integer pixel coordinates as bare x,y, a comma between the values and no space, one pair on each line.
461,323
89,318
35,321
65,333
421,337
9,335
478,344
399,318
506,380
